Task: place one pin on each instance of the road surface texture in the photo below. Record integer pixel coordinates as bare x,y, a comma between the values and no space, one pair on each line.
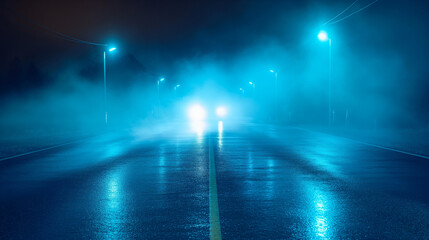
248,182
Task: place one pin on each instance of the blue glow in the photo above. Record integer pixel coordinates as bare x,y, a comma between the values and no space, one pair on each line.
162,79
323,36
271,70
114,209
113,150
221,111
178,85
162,169
321,224
250,83
113,193
112,49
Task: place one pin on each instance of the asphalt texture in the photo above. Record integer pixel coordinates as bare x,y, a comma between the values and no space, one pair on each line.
245,182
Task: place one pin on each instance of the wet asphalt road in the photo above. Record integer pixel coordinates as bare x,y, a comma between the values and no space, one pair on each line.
269,183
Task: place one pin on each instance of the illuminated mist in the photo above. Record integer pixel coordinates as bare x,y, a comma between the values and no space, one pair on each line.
377,81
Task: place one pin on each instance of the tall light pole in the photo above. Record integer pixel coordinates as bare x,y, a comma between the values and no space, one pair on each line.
159,82
175,89
323,36
105,84
159,100
253,86
275,92
275,75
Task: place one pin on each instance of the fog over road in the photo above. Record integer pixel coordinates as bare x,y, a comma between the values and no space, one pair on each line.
230,182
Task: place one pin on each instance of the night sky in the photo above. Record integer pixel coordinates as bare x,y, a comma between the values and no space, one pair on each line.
380,55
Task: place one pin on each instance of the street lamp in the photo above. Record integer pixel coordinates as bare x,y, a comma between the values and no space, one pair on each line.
275,90
175,89
253,88
275,83
323,37
159,101
159,82
105,86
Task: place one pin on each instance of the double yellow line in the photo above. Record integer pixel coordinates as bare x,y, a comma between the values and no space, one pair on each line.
215,232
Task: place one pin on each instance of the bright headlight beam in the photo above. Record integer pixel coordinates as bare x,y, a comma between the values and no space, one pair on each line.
197,113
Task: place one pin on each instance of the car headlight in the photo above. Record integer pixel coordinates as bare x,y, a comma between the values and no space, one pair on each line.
197,113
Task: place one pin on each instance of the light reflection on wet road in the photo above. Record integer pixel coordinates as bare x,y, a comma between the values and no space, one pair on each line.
272,183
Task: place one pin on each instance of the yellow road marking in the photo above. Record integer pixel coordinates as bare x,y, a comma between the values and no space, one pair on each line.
215,232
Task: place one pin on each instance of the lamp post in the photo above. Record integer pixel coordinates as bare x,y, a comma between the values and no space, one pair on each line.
276,100
323,36
105,84
275,75
175,89
253,86
159,100
159,82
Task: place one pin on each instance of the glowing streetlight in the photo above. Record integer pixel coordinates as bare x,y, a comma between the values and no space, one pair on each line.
175,89
105,84
158,83
253,87
159,100
323,36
